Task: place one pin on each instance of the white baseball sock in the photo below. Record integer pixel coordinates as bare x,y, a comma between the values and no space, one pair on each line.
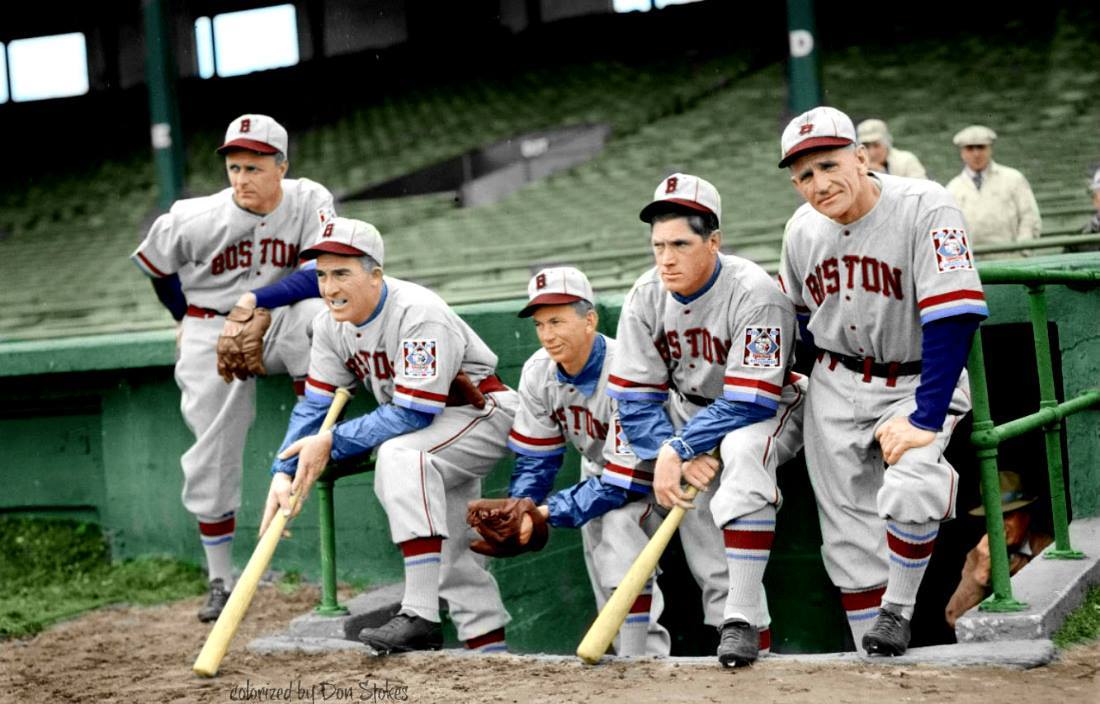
748,546
423,559
635,630
216,533
910,547
861,607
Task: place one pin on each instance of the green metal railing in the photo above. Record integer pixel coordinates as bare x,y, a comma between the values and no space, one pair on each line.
326,486
987,437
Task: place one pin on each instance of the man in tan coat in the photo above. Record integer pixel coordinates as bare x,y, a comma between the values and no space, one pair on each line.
996,200
885,158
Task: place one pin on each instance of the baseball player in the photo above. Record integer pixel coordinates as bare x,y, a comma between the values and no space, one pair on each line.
433,446
226,267
563,399
882,279
705,349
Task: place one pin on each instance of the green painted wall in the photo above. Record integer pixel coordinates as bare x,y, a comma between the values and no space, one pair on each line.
92,430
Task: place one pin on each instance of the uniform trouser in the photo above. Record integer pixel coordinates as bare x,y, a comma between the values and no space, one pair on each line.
611,544
750,456
424,481
856,493
220,414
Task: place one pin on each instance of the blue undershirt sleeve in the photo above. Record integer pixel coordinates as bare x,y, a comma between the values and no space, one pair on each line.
305,419
361,435
945,344
580,503
647,425
533,477
707,427
170,293
300,285
806,336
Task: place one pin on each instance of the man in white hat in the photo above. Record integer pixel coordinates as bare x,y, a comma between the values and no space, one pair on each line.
884,286
996,200
434,436
884,156
703,364
226,267
563,401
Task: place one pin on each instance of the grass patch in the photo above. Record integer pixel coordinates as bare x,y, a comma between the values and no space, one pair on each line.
1083,624
53,570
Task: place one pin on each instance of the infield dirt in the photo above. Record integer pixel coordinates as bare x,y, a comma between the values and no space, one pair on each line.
144,654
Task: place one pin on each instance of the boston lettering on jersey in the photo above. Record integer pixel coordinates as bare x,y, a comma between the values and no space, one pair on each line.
580,420
695,342
362,363
875,276
272,251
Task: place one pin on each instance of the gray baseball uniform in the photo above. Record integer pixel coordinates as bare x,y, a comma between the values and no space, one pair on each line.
866,288
407,354
731,340
221,251
552,413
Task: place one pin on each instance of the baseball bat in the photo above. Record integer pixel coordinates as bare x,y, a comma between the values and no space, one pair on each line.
614,612
217,642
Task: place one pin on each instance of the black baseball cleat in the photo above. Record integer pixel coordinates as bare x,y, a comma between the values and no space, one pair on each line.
889,635
215,601
402,634
739,644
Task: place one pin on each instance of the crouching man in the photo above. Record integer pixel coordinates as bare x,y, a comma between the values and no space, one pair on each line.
433,444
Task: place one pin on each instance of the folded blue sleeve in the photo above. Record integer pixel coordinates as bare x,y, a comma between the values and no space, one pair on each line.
300,285
363,434
533,477
647,425
945,344
707,427
170,293
580,503
305,419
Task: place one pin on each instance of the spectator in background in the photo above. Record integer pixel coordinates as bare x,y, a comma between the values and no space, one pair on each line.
1023,544
1092,226
885,158
996,200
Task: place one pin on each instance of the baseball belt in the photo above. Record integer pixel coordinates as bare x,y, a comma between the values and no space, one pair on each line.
868,367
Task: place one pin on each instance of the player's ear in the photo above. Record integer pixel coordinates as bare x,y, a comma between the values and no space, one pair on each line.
592,320
715,241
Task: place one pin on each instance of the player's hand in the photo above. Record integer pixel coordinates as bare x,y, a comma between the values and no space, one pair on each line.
667,473
313,454
526,525
278,499
699,471
897,435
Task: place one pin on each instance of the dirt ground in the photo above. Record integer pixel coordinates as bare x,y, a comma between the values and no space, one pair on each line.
132,654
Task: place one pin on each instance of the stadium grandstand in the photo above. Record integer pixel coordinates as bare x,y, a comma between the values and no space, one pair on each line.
383,89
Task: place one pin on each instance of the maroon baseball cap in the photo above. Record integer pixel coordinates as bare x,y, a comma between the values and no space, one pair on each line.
256,133
347,237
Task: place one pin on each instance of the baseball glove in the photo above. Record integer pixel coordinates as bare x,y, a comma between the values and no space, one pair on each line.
499,520
241,344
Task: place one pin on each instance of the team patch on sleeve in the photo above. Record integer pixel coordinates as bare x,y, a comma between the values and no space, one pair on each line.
419,359
325,215
951,249
761,347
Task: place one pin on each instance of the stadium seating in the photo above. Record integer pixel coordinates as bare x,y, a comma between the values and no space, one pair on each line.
712,117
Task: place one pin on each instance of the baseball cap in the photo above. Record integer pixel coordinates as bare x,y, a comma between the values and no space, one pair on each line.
557,286
819,128
685,190
974,134
352,238
872,131
257,133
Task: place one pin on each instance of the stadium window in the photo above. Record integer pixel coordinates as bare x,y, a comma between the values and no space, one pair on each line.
55,66
236,43
647,5
3,73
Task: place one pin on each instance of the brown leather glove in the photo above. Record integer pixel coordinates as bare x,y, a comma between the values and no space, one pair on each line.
499,521
241,344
